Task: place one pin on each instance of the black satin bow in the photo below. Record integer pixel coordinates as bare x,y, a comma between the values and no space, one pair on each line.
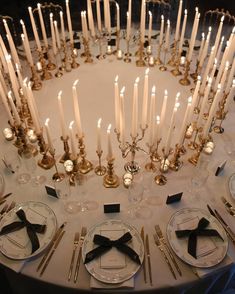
32,229
193,234
106,244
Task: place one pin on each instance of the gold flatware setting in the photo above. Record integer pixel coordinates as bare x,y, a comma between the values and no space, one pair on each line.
75,245
83,234
228,206
163,241
144,265
6,208
148,259
160,247
50,247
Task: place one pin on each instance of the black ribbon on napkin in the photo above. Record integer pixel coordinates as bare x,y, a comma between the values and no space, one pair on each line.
106,244
193,234
32,229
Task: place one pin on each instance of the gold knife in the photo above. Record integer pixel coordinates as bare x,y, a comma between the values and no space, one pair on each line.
75,245
83,234
226,227
57,234
228,206
157,241
144,265
52,252
148,258
162,239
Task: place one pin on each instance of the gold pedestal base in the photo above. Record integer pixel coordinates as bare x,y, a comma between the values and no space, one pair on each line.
184,82
192,145
127,59
36,85
58,177
176,165
111,181
193,160
163,68
46,75
140,63
160,180
171,62
51,66
100,170
176,72
218,129
150,167
58,74
158,61
85,166
46,162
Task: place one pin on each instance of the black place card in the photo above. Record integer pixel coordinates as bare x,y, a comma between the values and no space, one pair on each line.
111,207
112,42
174,198
51,191
220,168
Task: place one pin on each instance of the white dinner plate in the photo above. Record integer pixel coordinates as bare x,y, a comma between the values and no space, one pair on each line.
126,268
213,249
17,245
231,185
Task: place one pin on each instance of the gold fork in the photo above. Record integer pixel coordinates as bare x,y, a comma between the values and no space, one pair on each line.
83,234
75,245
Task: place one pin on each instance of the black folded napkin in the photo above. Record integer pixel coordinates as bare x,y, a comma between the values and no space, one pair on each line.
106,244
32,229
193,234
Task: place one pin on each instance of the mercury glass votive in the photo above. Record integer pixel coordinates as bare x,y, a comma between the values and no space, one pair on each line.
8,134
39,66
127,180
109,50
119,54
32,136
149,50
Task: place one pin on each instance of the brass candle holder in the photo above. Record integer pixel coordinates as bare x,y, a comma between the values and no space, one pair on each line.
176,71
158,59
74,63
84,165
132,166
66,155
37,85
57,176
176,163
65,61
221,115
163,66
194,159
150,166
140,53
87,51
172,60
197,71
100,56
50,64
185,81
110,180
59,72
46,75
100,170
46,162
127,58
21,142
160,179
24,111
192,144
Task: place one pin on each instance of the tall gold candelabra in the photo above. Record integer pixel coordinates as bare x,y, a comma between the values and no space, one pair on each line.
175,162
221,115
140,53
110,180
194,159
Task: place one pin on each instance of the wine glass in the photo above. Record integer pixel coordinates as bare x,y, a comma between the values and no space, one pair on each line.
135,196
13,162
31,166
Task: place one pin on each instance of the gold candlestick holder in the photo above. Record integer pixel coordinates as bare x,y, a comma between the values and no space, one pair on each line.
221,115
194,159
57,176
46,162
74,63
127,58
176,163
176,71
65,61
163,66
132,166
140,53
66,155
100,56
172,60
84,165
46,75
192,144
185,81
24,111
158,59
209,145
111,180
50,64
117,41
87,51
37,85
59,72
160,179
100,170
197,71
150,166
22,144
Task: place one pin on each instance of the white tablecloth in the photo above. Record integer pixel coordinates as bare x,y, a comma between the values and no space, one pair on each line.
96,99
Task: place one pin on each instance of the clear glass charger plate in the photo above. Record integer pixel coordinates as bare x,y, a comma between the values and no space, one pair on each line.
113,275
180,245
17,245
231,185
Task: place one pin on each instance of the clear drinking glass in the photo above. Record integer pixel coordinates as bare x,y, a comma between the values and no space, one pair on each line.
135,196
